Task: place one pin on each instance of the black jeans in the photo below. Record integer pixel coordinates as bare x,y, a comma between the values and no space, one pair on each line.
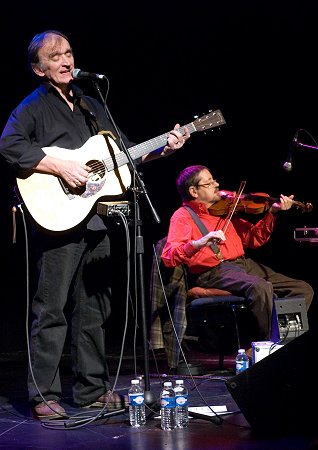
73,270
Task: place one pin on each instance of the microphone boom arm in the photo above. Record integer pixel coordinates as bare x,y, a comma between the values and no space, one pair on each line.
287,166
300,144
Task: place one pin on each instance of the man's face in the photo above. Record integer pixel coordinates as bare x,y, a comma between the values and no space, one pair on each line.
206,190
56,61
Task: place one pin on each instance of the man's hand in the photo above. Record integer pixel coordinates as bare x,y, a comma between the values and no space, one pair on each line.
210,238
284,204
175,140
75,173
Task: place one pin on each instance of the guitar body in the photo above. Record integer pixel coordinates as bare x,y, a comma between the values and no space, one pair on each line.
55,209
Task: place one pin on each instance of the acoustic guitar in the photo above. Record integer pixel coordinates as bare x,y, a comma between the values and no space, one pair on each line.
57,207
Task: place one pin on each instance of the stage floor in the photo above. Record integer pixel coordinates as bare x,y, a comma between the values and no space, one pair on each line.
18,430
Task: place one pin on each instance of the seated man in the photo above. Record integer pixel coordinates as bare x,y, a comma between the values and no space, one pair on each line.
216,259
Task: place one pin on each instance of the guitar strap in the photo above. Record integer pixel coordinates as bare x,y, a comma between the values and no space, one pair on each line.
90,114
95,122
214,247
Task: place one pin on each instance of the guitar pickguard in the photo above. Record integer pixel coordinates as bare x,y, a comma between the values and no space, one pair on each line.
93,187
97,178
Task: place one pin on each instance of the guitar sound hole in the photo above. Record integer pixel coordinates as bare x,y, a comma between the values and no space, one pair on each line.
97,172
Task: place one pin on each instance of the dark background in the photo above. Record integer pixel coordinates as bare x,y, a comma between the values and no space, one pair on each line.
167,62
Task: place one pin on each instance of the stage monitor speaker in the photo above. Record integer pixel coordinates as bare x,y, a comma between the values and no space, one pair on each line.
289,319
279,393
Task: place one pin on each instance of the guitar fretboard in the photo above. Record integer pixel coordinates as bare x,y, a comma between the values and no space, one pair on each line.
142,149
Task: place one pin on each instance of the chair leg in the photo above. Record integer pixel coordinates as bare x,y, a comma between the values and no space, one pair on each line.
233,308
221,360
221,351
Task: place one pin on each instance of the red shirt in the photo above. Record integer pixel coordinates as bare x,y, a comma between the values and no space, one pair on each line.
239,234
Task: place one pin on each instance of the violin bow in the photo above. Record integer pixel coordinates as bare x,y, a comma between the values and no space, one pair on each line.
233,208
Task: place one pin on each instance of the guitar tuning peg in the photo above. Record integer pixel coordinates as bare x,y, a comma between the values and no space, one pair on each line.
196,116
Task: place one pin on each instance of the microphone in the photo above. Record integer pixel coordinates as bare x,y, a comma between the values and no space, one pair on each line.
78,74
288,163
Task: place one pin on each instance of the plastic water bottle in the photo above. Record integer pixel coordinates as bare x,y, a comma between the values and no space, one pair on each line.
168,407
242,361
137,410
182,402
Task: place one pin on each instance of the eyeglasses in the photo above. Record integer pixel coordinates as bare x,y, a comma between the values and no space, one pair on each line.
207,185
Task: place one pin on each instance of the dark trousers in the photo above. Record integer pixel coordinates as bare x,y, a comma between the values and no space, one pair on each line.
259,284
76,271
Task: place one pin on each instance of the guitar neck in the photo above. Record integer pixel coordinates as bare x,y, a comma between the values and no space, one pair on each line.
145,147
153,144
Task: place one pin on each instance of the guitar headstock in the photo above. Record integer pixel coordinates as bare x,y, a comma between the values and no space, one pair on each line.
211,120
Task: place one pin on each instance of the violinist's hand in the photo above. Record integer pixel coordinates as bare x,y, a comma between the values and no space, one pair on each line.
210,238
284,204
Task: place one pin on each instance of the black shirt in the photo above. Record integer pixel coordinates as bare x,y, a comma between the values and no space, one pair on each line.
44,119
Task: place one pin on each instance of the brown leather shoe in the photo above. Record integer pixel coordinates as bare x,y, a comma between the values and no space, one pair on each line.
111,400
49,410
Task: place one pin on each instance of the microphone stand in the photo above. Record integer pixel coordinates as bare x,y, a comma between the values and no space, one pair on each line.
150,398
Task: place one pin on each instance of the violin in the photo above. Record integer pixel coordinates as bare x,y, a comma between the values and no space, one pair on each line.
253,203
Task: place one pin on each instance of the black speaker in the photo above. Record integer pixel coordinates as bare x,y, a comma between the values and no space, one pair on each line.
289,319
279,393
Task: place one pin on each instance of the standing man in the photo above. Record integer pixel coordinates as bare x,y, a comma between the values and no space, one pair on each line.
73,265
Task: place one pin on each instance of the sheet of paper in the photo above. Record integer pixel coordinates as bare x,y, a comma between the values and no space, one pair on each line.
221,409
206,410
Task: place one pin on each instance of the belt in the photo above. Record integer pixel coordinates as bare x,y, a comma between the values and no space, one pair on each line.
236,259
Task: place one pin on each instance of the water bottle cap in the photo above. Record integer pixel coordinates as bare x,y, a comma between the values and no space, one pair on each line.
134,381
241,350
167,383
179,381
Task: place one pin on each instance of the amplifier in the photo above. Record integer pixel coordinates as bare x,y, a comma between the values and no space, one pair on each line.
113,208
306,234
